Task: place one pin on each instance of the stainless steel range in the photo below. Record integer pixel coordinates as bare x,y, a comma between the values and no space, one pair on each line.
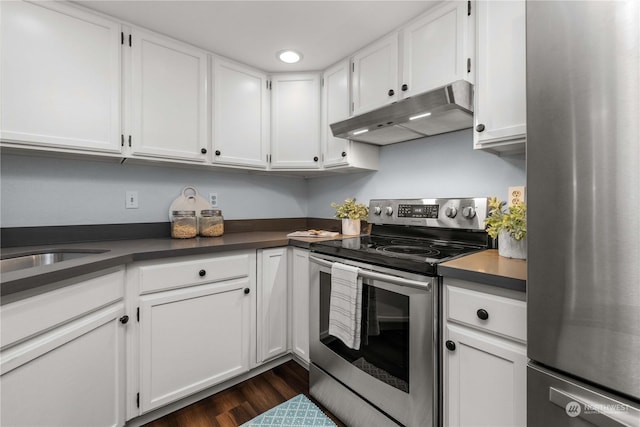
389,373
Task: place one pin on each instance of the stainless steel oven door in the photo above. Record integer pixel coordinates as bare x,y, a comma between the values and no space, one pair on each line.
397,369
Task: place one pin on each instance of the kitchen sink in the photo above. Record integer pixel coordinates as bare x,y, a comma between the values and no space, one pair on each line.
38,259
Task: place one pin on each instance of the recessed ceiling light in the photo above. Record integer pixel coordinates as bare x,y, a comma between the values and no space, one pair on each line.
289,56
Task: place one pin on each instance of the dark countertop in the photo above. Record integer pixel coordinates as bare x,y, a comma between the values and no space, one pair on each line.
489,268
484,267
123,252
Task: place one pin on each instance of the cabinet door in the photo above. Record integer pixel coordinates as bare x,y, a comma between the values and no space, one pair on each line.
272,303
435,48
70,376
335,107
169,103
240,115
300,303
484,380
295,121
60,77
375,75
192,338
500,91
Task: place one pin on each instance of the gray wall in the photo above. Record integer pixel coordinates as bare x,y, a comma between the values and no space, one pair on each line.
440,166
54,191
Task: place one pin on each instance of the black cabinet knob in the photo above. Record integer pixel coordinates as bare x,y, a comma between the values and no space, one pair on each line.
315,159
344,154
203,151
124,319
391,92
405,87
246,291
202,273
482,314
480,127
451,346
217,152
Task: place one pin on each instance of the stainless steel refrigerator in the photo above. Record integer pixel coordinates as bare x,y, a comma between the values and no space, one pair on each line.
583,185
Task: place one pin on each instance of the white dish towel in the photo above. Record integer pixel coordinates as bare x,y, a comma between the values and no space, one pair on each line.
345,304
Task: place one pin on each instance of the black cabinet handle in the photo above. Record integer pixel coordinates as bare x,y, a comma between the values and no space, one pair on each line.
344,154
480,127
391,92
451,346
202,273
246,291
217,152
203,151
405,87
482,314
315,159
124,319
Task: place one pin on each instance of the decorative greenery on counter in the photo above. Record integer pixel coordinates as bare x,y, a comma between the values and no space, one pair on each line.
351,210
513,220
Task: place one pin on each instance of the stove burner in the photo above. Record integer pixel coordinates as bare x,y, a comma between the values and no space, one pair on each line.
419,251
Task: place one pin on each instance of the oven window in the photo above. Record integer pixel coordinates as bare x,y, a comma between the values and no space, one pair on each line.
384,347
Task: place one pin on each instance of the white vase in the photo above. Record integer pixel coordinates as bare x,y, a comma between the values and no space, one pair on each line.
351,227
509,247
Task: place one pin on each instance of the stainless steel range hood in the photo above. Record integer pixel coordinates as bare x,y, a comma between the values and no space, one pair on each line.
445,109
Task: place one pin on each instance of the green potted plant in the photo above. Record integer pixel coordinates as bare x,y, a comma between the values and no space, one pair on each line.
351,213
509,226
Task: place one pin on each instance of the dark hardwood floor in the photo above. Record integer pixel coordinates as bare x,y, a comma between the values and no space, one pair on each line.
241,403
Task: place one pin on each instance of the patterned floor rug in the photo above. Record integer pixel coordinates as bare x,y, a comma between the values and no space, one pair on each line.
296,412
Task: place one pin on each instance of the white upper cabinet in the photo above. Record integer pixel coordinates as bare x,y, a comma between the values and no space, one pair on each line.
500,91
60,80
340,152
375,75
169,98
436,49
295,121
335,107
240,115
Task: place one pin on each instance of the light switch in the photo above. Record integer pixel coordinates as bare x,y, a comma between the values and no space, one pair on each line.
131,200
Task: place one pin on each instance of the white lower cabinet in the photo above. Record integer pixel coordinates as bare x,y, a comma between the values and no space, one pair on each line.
272,303
197,324
191,339
69,369
300,303
485,356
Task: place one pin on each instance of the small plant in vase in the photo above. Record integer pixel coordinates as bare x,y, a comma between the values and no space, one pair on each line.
351,213
509,226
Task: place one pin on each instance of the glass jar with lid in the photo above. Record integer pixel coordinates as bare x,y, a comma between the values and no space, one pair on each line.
211,223
183,224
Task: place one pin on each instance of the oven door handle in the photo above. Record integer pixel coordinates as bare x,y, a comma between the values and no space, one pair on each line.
424,286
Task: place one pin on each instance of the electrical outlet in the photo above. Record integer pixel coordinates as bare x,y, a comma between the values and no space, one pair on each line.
516,195
213,200
131,200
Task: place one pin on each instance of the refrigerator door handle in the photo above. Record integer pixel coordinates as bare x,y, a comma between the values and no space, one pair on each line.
588,411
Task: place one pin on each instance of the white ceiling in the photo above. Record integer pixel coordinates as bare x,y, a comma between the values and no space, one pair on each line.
253,31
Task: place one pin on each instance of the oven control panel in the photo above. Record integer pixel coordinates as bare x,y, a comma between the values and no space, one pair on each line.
467,213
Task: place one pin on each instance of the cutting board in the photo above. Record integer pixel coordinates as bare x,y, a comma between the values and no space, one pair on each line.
189,200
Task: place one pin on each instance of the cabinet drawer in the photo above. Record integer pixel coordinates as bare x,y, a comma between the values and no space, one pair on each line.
40,313
176,274
503,316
